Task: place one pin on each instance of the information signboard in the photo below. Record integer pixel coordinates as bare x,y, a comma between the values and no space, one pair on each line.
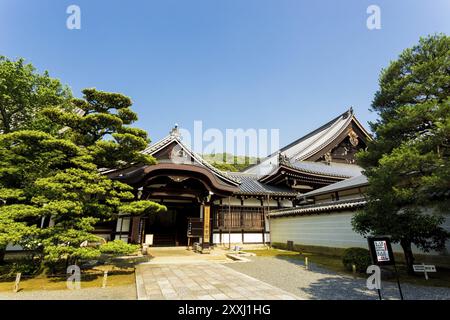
195,228
424,267
381,250
206,224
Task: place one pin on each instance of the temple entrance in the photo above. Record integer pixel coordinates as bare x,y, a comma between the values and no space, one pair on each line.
187,190
170,228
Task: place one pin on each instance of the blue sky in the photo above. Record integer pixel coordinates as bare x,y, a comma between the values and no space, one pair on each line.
286,64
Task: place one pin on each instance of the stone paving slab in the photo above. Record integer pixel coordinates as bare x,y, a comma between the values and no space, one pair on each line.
202,281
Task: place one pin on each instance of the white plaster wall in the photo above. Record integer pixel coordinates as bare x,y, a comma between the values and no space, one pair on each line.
286,203
233,201
252,202
253,238
237,238
328,230
272,203
234,237
319,230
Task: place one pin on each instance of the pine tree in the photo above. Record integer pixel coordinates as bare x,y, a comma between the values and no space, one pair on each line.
26,156
56,175
408,163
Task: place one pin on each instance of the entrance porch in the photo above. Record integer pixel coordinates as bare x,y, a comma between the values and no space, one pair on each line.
170,228
188,191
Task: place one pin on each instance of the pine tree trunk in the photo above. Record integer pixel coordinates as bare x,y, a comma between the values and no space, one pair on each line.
409,257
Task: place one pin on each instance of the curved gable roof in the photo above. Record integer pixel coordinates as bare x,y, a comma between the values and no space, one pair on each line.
310,144
174,138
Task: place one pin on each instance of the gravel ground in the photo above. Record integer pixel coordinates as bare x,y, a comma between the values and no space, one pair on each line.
114,293
322,284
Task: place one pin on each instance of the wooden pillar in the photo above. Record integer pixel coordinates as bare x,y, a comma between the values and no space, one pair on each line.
135,230
206,227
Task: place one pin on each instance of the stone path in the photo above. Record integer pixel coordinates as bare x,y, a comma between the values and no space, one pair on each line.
201,281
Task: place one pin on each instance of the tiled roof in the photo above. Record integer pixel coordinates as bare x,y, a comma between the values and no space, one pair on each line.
354,182
152,149
319,208
158,145
247,183
308,145
251,185
316,142
333,169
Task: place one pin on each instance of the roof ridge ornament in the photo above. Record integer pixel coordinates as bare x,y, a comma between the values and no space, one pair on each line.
175,132
349,113
328,158
283,159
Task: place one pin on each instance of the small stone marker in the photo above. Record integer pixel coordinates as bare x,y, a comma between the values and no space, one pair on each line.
105,279
424,268
17,283
306,263
354,270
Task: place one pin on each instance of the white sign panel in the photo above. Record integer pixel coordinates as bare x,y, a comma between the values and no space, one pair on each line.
381,251
423,268
149,239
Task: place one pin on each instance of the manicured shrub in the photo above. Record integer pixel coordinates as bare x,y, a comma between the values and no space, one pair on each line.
359,257
25,267
118,247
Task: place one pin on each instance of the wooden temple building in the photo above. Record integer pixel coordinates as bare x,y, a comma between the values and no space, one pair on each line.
210,206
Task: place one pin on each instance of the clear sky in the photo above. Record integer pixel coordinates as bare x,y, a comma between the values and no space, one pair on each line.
286,64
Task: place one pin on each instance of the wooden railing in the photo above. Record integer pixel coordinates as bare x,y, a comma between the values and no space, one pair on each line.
238,218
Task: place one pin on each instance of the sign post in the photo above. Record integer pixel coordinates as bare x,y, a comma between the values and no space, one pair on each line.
105,279
17,282
382,255
195,228
424,268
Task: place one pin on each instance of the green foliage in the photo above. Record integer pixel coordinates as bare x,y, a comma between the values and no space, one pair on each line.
408,162
359,257
24,266
419,75
24,157
23,93
141,207
54,174
229,162
102,127
118,247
